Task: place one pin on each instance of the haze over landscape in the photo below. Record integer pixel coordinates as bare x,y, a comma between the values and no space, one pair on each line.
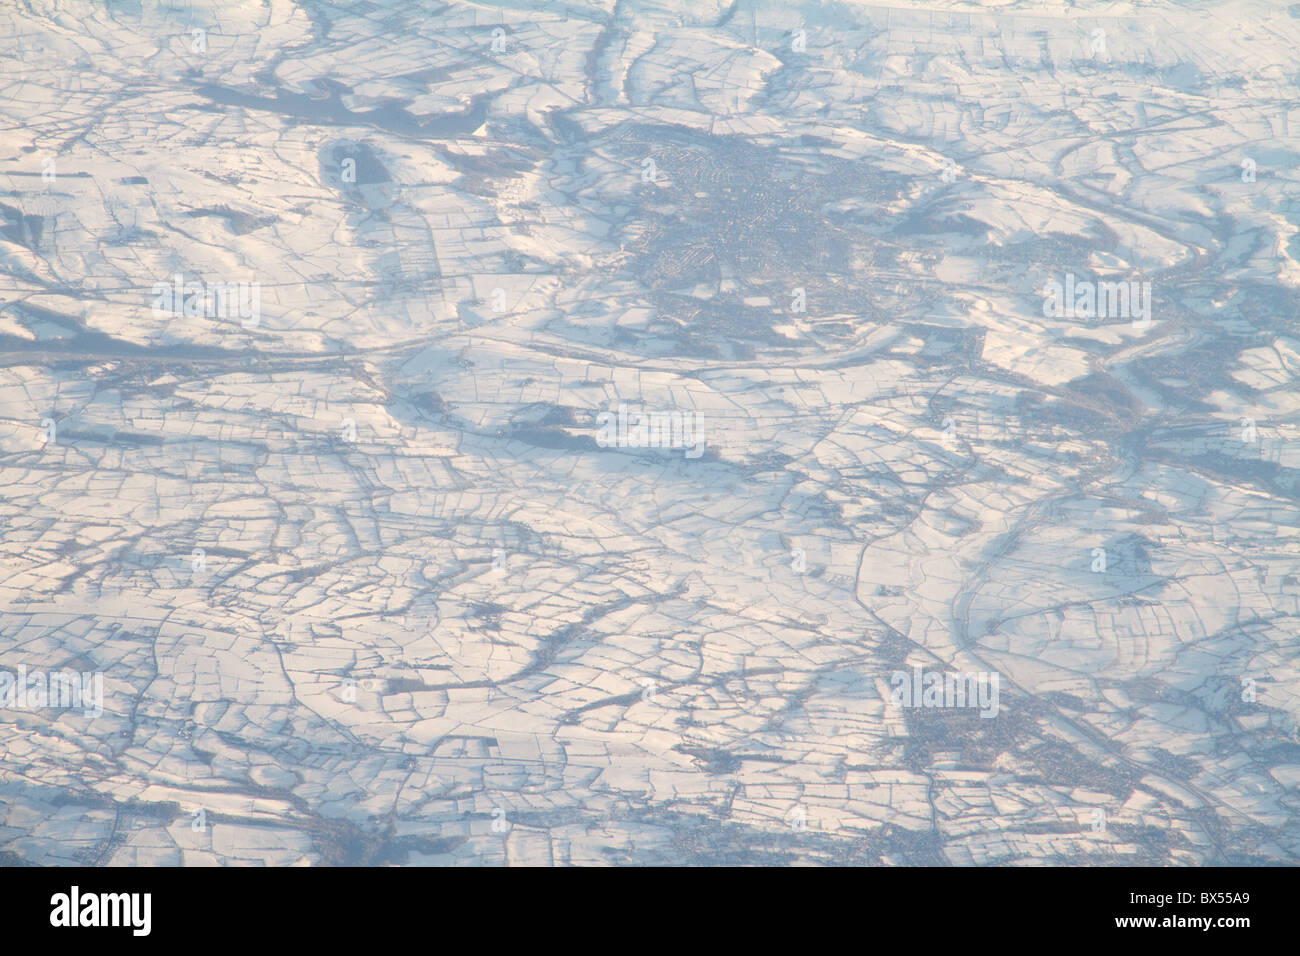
562,432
